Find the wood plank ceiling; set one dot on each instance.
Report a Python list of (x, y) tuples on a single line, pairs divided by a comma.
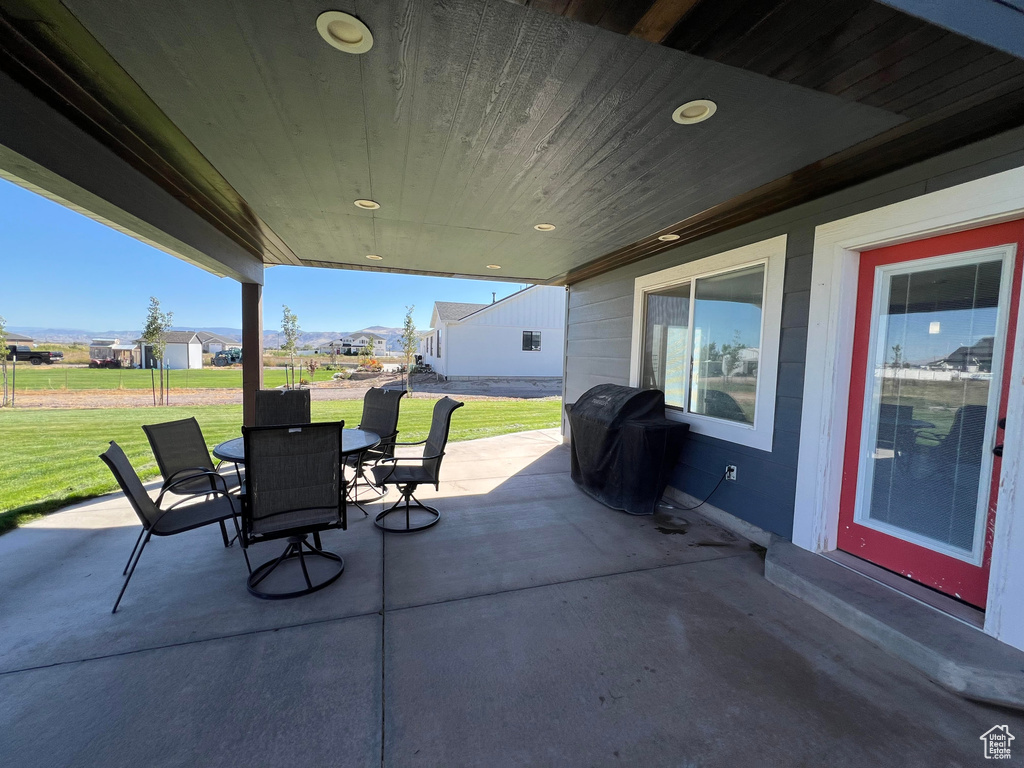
[(472, 121), (951, 90)]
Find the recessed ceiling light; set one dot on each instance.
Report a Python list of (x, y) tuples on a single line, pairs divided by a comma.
[(375, 257), (668, 238), (694, 112), (544, 227), (367, 205), (344, 32), (494, 266)]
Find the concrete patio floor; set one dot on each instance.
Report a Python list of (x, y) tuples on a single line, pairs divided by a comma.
[(531, 626)]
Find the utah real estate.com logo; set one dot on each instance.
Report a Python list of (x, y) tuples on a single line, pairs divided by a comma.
[(997, 742)]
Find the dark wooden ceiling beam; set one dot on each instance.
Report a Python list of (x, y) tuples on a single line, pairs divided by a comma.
[(661, 18), (909, 143), (50, 53)]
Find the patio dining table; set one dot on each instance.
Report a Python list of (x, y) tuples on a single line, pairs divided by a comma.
[(352, 441)]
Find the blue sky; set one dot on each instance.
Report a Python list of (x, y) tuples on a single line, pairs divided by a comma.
[(63, 270)]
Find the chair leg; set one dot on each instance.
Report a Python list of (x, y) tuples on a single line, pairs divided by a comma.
[(224, 535), (409, 501), (238, 537), (141, 534), (131, 572), (316, 540)]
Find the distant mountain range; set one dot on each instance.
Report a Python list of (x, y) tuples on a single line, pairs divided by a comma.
[(271, 339)]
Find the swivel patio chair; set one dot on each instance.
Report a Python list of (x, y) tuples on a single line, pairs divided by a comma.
[(380, 416), (406, 473), (181, 454), (277, 407), (294, 487), (218, 507)]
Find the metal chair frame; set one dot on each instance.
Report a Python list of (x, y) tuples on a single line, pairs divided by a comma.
[(384, 449), (152, 434), (297, 546), (149, 526), (407, 490)]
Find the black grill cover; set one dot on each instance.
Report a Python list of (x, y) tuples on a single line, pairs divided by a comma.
[(623, 447)]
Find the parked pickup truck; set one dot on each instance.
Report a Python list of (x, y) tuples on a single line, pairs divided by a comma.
[(34, 356)]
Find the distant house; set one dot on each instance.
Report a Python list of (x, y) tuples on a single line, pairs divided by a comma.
[(113, 349), (183, 350), (213, 343), (353, 344), (522, 335)]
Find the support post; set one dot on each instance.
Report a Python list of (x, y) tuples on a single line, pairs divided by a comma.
[(252, 349)]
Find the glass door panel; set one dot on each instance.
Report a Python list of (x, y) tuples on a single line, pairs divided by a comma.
[(931, 404)]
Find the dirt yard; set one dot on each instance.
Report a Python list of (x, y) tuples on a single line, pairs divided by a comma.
[(423, 386)]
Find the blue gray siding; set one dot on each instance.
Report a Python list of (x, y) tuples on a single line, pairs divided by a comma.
[(601, 315)]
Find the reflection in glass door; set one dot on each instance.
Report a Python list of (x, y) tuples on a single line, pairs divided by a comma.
[(919, 485)]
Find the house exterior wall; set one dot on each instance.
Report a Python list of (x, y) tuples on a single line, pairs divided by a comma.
[(182, 356), (488, 350), (600, 317), (428, 348)]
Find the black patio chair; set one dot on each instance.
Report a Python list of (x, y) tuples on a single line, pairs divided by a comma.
[(276, 407), (181, 453), (294, 486), (380, 416), (218, 507), (406, 473)]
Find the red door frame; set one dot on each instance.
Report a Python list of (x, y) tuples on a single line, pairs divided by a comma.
[(946, 574)]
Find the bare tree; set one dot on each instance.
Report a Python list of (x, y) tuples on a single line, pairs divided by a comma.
[(158, 323), (408, 342), (290, 334)]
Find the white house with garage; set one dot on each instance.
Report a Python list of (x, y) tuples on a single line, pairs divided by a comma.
[(522, 335), (355, 343), (183, 349)]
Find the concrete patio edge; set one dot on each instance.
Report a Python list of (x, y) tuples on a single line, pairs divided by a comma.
[(956, 656)]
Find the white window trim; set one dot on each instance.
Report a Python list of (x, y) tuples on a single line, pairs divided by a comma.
[(771, 253), (837, 247)]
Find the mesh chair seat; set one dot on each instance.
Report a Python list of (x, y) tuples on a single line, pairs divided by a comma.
[(193, 515), (156, 521), (401, 474), (294, 487), (408, 473), (300, 518), (202, 484), (380, 416), (180, 451)]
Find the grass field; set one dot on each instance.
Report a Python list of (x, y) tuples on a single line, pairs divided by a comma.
[(41, 377), (50, 457)]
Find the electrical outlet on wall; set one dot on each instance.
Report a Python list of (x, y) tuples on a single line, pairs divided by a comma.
[(730, 472)]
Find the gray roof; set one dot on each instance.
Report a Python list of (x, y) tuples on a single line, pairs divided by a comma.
[(216, 338), (11, 336), (453, 311), (176, 337)]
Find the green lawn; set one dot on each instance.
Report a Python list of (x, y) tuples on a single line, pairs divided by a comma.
[(49, 457), (38, 377)]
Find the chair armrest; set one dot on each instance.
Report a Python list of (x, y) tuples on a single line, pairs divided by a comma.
[(395, 460), (195, 472)]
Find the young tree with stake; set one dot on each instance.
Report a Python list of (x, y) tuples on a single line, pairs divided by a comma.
[(290, 334), (408, 342), (3, 361), (158, 323)]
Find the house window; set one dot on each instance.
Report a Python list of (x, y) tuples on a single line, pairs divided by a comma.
[(531, 341), (706, 333), (439, 344)]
